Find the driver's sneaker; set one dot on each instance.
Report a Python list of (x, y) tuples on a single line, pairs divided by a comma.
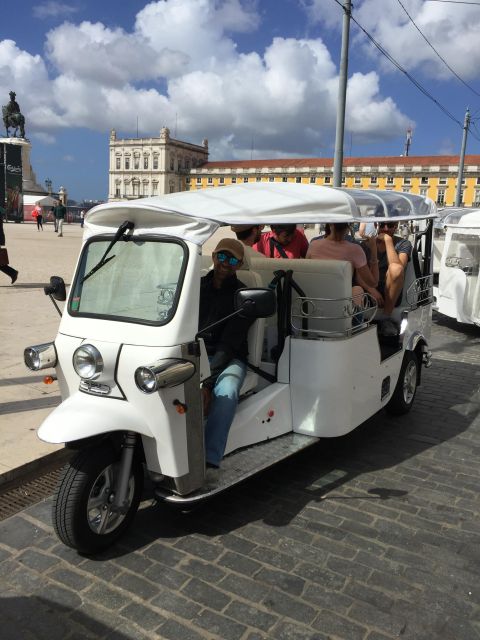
[(389, 328), (14, 277)]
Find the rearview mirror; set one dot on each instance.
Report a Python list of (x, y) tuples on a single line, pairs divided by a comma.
[(255, 303), (56, 288)]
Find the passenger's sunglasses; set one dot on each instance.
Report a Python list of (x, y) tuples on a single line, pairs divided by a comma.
[(390, 225), (231, 260)]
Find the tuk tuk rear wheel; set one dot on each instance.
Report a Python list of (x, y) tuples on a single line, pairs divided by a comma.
[(82, 515), (402, 399)]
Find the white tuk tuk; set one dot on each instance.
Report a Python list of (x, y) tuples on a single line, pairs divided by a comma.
[(130, 361), (457, 290)]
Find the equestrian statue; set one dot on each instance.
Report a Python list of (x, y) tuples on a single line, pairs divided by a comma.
[(12, 117)]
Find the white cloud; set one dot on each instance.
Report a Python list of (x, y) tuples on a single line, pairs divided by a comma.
[(53, 10), (451, 29), (180, 65)]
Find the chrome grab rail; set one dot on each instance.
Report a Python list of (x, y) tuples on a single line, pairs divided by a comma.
[(357, 316), (420, 292)]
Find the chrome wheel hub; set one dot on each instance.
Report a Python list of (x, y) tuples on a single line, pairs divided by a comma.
[(102, 519)]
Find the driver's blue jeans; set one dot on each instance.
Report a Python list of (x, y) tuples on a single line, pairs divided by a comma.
[(222, 409)]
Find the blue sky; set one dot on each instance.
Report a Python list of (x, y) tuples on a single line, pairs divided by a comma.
[(245, 74)]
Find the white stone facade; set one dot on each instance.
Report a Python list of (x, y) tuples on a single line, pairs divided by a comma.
[(143, 167)]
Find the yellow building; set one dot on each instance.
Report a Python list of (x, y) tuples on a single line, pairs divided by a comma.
[(432, 176)]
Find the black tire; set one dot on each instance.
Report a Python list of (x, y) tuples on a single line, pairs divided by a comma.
[(402, 399), (83, 495)]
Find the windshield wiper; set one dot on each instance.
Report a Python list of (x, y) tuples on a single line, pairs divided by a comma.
[(125, 226)]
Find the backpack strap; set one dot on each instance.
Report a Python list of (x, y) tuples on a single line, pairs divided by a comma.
[(274, 244)]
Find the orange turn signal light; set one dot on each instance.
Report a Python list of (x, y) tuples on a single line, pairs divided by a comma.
[(49, 379), (180, 407)]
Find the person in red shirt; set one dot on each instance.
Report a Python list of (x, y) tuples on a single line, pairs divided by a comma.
[(283, 241)]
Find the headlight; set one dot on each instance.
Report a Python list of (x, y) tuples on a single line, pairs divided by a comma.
[(163, 373), (88, 362), (40, 356)]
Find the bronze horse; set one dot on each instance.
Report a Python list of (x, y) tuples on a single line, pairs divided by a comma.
[(15, 121)]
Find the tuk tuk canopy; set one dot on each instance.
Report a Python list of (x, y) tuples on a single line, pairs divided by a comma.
[(196, 215), (459, 217)]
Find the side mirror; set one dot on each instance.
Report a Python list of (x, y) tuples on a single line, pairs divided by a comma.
[(255, 303), (56, 288)]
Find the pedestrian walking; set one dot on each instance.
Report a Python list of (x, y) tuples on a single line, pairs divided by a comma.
[(38, 214), (59, 212), (4, 266), (51, 215), (82, 217)]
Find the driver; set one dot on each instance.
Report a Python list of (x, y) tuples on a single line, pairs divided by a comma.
[(226, 345)]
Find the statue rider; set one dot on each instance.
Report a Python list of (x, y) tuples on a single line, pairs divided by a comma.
[(12, 106), (12, 116)]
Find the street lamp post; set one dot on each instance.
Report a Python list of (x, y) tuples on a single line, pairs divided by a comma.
[(48, 184)]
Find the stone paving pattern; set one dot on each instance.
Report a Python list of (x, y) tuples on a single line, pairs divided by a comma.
[(371, 536)]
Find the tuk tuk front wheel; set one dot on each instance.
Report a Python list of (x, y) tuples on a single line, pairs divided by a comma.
[(402, 399), (82, 513)]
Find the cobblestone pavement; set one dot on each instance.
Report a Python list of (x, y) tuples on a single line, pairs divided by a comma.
[(371, 536)]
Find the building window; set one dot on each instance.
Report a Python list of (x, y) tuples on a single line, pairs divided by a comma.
[(199, 180), (127, 164), (284, 179), (258, 179), (187, 163), (476, 201), (298, 180), (234, 179), (478, 181), (373, 179), (172, 163), (187, 180), (442, 181), (424, 180), (154, 189), (389, 179), (407, 180), (135, 188), (423, 191), (145, 162), (136, 162), (117, 192), (245, 178), (343, 179), (271, 179), (221, 180), (406, 189), (155, 162), (209, 180), (328, 179), (440, 196), (357, 180), (145, 188), (117, 163)]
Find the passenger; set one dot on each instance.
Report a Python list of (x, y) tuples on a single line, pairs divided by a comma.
[(249, 235), (226, 346), (333, 246), (393, 254), (283, 241)]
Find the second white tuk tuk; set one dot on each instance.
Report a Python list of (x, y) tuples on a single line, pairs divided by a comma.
[(457, 241), (130, 360)]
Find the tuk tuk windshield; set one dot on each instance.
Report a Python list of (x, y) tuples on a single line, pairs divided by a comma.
[(464, 252), (139, 282)]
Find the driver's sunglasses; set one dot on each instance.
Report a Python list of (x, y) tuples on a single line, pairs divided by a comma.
[(390, 225), (231, 260)]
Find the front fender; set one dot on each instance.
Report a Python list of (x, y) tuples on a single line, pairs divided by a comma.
[(83, 416)]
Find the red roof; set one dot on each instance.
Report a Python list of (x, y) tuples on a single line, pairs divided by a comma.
[(347, 162)]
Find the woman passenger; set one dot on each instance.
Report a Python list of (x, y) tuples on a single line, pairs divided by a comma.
[(334, 247)]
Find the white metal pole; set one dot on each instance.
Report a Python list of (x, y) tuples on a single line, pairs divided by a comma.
[(458, 198), (342, 96)]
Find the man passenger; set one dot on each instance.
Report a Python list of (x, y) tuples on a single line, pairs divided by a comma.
[(226, 346), (283, 241), (248, 235), (393, 253)]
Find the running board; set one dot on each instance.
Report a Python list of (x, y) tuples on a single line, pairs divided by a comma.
[(241, 465)]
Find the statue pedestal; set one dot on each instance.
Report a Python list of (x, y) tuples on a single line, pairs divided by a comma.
[(29, 180)]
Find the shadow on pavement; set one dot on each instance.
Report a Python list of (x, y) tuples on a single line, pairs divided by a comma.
[(41, 618)]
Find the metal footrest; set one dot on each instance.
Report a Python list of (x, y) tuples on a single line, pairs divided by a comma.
[(241, 465)]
